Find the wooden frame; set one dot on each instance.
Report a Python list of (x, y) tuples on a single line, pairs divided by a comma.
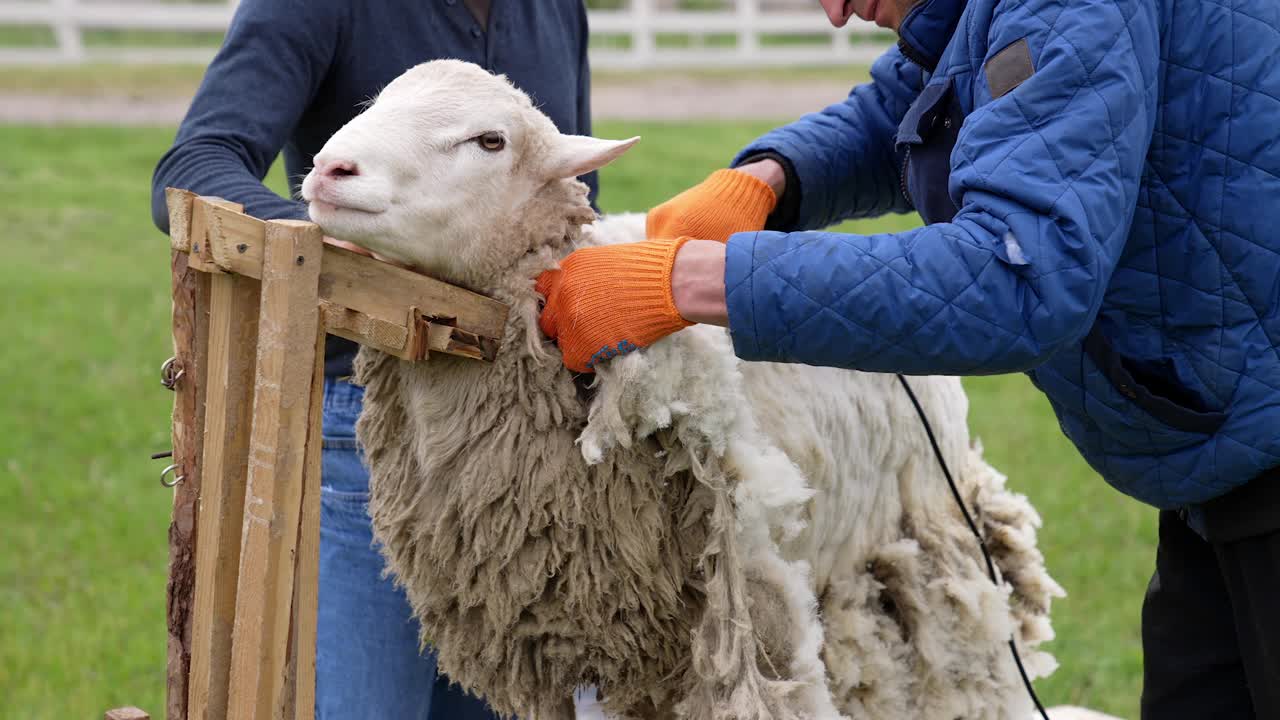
[(253, 301)]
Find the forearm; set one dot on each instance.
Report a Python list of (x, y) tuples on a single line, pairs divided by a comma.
[(934, 300), (212, 168), (768, 171), (697, 283), (275, 57)]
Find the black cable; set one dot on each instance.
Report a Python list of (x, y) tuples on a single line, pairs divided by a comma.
[(982, 545)]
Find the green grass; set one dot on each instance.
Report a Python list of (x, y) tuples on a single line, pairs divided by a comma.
[(181, 80), (99, 79), (118, 38), (26, 36), (86, 305)]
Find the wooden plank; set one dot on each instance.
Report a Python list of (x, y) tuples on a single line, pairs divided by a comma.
[(233, 335), (288, 323), (190, 338), (446, 338), (204, 224), (245, 256), (126, 713), (357, 282), (384, 291), (179, 203), (300, 702), (383, 335)]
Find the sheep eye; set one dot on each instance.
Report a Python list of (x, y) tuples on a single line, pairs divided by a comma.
[(492, 141)]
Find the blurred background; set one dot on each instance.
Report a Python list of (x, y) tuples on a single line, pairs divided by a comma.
[(91, 92)]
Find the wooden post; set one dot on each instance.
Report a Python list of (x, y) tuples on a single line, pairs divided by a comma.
[(66, 30), (748, 17), (288, 321), (126, 713), (307, 602), (300, 674), (233, 336), (642, 36), (190, 337)]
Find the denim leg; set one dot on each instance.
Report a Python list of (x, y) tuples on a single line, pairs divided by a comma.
[(367, 659), (587, 705)]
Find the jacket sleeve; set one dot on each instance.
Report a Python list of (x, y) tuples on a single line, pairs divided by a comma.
[(841, 161), (273, 61), (1048, 178)]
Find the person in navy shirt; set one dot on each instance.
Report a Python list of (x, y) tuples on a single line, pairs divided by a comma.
[(289, 74)]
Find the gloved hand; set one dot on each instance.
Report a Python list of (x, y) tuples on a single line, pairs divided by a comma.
[(610, 300), (727, 202)]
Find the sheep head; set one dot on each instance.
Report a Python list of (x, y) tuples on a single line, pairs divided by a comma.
[(436, 171)]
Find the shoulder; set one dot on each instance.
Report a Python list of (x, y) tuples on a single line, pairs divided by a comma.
[(1086, 25), (286, 17)]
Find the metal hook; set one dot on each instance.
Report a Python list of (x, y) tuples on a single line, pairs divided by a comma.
[(176, 480), (168, 376)]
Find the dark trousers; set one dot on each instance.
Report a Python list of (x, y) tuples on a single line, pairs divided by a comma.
[(1211, 619)]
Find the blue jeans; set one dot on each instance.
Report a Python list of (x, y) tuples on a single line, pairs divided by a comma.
[(367, 661)]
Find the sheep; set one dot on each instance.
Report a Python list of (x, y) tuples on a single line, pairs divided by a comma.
[(696, 536)]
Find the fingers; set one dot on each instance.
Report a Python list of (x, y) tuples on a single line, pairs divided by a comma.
[(655, 221), (546, 287), (546, 283)]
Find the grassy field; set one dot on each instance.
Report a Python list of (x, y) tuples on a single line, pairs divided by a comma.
[(161, 81), (85, 287)]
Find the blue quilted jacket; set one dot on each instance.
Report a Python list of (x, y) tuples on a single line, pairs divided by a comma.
[(1101, 183)]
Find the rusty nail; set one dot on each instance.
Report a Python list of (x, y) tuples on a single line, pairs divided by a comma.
[(242, 248), (301, 260)]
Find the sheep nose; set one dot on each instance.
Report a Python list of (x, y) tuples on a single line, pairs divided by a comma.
[(337, 169)]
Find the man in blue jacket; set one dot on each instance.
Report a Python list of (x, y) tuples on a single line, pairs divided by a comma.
[(1101, 185), (289, 74)]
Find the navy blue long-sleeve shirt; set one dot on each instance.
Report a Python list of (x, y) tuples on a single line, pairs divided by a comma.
[(291, 72)]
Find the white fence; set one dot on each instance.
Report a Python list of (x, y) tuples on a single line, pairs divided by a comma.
[(646, 34)]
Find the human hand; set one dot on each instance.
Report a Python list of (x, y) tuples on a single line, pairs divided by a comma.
[(610, 300), (727, 202)]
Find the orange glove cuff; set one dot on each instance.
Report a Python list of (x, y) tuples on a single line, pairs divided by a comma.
[(727, 202), (607, 301)]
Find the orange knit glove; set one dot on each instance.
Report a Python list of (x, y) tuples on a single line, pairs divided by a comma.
[(727, 202), (607, 301)]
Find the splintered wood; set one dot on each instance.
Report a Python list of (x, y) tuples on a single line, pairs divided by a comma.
[(253, 301), (190, 338)]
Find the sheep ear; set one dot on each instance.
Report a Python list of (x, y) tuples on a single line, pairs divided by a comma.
[(575, 155)]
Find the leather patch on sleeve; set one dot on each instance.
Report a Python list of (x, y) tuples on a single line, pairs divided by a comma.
[(1008, 68)]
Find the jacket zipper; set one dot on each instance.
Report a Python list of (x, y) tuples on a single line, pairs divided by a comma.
[(902, 177), (910, 53)]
